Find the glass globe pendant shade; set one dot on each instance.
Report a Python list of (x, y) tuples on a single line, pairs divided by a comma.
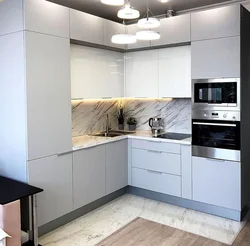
[(112, 2), (128, 13), (149, 23), (123, 39), (147, 35)]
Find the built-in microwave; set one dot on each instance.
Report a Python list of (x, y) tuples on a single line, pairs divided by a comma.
[(216, 94)]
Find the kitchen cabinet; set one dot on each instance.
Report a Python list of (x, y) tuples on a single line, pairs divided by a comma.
[(216, 58), (86, 27), (217, 182), (142, 74), (96, 73), (54, 175), (88, 175), (173, 30), (48, 95), (216, 23), (46, 17), (175, 72), (116, 166), (132, 29), (111, 28)]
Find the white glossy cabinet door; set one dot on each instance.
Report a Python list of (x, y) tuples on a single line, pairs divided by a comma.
[(116, 166), (111, 28), (46, 17), (48, 95), (132, 29), (217, 182), (216, 23), (54, 175), (216, 58), (88, 175), (173, 30), (96, 73), (142, 74), (86, 27), (175, 72)]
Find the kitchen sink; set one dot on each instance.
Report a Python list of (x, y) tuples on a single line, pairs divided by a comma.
[(111, 134)]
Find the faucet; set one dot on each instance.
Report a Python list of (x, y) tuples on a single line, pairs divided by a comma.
[(107, 125)]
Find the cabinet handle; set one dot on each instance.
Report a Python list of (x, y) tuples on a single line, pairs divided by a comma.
[(157, 172), (217, 160), (152, 141), (155, 151)]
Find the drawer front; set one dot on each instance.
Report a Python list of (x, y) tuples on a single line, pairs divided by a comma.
[(156, 161), (157, 145), (156, 181)]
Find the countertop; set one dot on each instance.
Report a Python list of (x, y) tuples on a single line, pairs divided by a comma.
[(87, 141)]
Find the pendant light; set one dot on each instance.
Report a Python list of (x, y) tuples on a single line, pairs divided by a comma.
[(127, 12), (112, 2), (147, 35), (149, 22)]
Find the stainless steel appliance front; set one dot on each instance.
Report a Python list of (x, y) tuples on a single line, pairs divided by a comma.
[(216, 94)]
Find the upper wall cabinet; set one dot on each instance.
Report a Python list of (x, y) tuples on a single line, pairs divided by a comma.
[(142, 73), (111, 28), (175, 72), (132, 29), (86, 27), (173, 30), (216, 23), (216, 58), (46, 17)]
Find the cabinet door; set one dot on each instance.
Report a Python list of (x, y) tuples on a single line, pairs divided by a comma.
[(46, 17), (48, 95), (132, 29), (175, 72), (216, 58), (216, 23), (86, 27), (173, 30), (54, 175), (88, 175), (104, 68), (142, 74), (111, 28), (216, 182), (116, 166)]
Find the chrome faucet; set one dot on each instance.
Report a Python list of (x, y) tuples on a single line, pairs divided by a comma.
[(107, 125)]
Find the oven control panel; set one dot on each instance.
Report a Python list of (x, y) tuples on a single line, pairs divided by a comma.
[(216, 115)]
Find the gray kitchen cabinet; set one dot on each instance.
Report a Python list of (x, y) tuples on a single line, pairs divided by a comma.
[(132, 29), (216, 58), (173, 30), (217, 182), (46, 17), (88, 175), (48, 95), (86, 27), (111, 28), (116, 166), (54, 175), (216, 23)]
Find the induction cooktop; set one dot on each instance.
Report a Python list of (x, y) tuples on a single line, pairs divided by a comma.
[(174, 136)]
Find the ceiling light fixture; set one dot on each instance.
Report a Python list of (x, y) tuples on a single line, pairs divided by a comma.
[(147, 35), (148, 22), (112, 2), (123, 39), (127, 12)]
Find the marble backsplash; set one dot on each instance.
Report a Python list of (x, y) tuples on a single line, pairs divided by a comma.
[(89, 116)]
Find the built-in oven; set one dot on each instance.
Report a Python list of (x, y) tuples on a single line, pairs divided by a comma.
[(216, 134), (216, 94)]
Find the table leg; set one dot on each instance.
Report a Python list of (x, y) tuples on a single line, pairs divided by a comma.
[(34, 218)]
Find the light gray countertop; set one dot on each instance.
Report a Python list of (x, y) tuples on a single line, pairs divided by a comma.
[(87, 141)]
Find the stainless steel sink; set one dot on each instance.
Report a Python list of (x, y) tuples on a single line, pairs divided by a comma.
[(111, 134)]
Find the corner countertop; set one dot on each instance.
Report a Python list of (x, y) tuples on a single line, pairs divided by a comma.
[(87, 141)]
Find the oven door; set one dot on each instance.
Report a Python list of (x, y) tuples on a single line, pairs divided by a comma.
[(216, 139)]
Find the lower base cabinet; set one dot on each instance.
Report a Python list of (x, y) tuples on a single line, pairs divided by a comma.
[(88, 175), (216, 182), (54, 175)]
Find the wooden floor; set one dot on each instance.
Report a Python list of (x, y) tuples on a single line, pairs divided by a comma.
[(141, 232)]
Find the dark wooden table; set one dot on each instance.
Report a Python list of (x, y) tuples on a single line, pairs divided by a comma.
[(11, 190)]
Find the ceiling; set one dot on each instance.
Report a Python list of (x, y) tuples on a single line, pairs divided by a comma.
[(95, 7)]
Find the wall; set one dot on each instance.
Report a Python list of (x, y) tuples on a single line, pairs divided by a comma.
[(90, 115)]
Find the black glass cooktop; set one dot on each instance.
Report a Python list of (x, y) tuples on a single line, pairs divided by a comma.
[(174, 136)]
